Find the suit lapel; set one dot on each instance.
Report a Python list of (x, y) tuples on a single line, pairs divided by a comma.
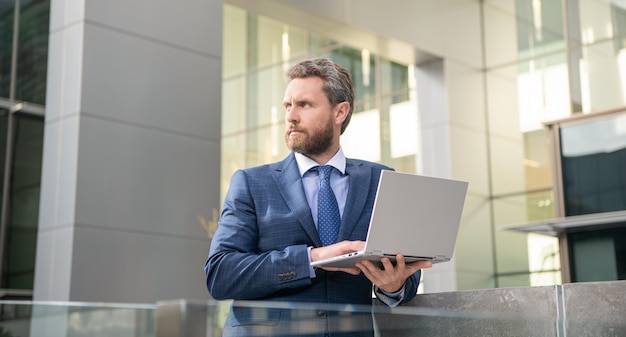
[(289, 182), (358, 190)]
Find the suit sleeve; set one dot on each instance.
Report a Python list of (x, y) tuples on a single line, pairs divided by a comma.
[(410, 286), (237, 268)]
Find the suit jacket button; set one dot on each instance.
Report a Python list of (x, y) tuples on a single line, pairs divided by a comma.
[(321, 314)]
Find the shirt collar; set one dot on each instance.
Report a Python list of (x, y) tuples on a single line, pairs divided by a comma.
[(305, 163)]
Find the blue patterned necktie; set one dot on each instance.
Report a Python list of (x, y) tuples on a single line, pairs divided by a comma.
[(328, 218)]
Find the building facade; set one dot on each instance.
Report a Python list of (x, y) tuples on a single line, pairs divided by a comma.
[(124, 121)]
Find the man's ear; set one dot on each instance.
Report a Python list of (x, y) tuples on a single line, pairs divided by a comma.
[(341, 112)]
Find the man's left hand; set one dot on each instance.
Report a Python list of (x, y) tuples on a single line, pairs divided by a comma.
[(391, 278)]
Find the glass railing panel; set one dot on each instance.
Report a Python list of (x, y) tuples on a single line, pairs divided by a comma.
[(25, 318), (577, 309), (307, 319)]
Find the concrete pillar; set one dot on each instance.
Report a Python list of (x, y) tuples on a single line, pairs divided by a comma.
[(131, 149)]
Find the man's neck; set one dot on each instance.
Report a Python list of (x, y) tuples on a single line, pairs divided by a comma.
[(323, 158)]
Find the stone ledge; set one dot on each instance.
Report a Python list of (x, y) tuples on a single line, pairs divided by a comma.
[(577, 309)]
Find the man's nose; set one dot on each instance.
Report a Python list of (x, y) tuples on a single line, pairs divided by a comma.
[(292, 115)]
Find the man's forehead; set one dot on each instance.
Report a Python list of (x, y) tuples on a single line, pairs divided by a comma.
[(300, 89), (298, 97)]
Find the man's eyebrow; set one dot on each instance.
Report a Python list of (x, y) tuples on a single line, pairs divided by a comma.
[(297, 101)]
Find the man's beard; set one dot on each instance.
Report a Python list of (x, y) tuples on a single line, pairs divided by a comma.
[(311, 143)]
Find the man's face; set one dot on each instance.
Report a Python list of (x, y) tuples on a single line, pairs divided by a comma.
[(309, 117)]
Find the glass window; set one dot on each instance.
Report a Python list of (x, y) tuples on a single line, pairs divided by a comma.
[(4, 113), (539, 26), (588, 248), (7, 10), (361, 65), (253, 116), (264, 96), (33, 51), (272, 42), (319, 43), (21, 239), (234, 44), (597, 56), (593, 160)]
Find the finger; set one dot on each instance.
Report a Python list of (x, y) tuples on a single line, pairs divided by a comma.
[(371, 271), (366, 265), (353, 271), (417, 265), (400, 261), (387, 265), (424, 264)]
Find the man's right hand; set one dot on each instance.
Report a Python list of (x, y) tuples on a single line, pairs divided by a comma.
[(339, 248)]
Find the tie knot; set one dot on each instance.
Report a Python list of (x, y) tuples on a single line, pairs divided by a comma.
[(325, 171)]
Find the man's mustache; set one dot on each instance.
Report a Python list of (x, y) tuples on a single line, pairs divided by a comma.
[(293, 127)]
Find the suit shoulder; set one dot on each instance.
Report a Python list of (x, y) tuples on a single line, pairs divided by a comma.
[(256, 169), (265, 169), (365, 163)]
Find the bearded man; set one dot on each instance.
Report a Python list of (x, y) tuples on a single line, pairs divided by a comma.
[(270, 229)]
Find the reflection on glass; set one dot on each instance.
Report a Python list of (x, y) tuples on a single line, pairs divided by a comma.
[(234, 46), (621, 64), (19, 264), (233, 101), (538, 161), (597, 76), (593, 159), (271, 41), (4, 113), (539, 26), (33, 51), (318, 43), (362, 138), (587, 248), (541, 263), (544, 261), (352, 59), (7, 9), (23, 318), (264, 94), (543, 93), (403, 129)]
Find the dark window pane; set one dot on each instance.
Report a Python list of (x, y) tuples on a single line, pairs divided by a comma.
[(598, 255), (33, 51), (593, 157), (21, 240), (6, 45), (4, 113)]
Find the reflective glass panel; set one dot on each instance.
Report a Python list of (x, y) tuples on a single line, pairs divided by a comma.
[(7, 14), (4, 113), (593, 160), (588, 247), (33, 51), (23, 318), (24, 202)]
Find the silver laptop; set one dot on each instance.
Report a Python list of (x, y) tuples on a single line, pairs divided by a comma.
[(416, 216)]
